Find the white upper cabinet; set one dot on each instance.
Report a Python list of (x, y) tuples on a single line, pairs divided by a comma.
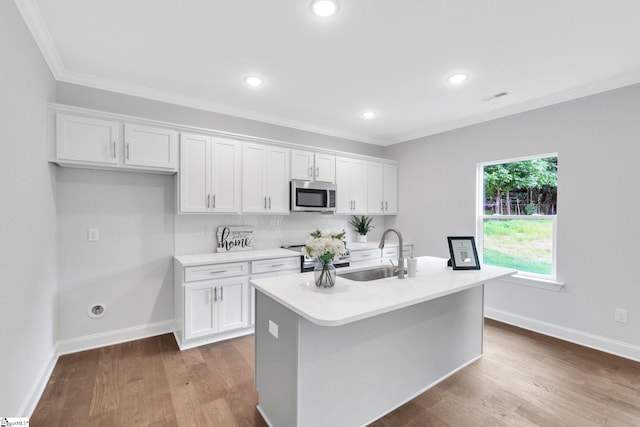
[(209, 174), (375, 183), (265, 179), (382, 188), (310, 166), (94, 142), (351, 180), (87, 140), (390, 188), (150, 146)]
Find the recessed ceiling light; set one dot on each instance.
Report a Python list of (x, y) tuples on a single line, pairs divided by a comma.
[(324, 8), (368, 115), (456, 79), (254, 81)]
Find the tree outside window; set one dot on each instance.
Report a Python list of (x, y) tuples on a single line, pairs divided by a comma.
[(517, 218)]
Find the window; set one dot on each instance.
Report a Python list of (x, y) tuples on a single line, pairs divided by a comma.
[(517, 214)]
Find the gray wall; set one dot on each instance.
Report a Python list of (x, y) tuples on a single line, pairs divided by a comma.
[(27, 218), (596, 139), (130, 269)]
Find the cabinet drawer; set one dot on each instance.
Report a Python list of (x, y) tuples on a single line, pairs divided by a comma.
[(365, 255), (408, 251), (275, 264), (390, 252), (215, 271)]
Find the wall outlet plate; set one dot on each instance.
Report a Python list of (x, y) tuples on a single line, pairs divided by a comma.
[(273, 328), (620, 315)]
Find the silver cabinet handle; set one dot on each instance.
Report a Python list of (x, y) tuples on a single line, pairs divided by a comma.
[(366, 255), (128, 149), (265, 202), (215, 294), (214, 201), (217, 271), (208, 200), (221, 293), (114, 149), (277, 265), (269, 202), (382, 205), (310, 171), (386, 206)]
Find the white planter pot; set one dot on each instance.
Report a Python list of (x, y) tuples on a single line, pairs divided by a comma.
[(362, 238)]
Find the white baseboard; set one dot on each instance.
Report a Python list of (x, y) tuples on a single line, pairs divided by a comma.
[(89, 342), (618, 348), (33, 397)]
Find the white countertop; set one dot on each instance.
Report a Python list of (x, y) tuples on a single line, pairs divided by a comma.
[(349, 301), (221, 257)]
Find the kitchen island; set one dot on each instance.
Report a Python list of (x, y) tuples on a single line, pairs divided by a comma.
[(347, 355)]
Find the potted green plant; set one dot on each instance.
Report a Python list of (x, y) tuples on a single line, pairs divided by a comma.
[(362, 225)]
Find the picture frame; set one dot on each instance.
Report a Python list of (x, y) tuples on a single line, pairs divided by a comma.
[(464, 255)]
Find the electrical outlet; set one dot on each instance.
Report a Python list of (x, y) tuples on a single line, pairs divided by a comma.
[(93, 235), (273, 328), (620, 315)]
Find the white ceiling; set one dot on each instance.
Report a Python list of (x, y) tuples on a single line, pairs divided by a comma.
[(391, 56)]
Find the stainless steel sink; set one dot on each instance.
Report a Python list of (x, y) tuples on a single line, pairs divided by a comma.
[(370, 274)]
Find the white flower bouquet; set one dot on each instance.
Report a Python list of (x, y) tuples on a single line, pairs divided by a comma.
[(324, 245)]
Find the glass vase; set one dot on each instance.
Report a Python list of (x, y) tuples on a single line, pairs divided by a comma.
[(325, 273)]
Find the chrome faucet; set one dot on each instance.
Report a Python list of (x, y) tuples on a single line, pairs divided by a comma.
[(400, 252)]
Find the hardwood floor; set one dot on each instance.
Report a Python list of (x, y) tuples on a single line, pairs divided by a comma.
[(523, 379)]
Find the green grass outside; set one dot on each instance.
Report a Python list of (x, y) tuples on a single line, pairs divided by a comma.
[(524, 245)]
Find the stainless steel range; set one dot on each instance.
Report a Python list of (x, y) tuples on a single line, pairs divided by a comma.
[(307, 263)]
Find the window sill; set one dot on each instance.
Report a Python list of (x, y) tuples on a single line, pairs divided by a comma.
[(534, 282)]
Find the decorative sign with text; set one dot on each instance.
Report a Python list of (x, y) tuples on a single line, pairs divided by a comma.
[(232, 239)]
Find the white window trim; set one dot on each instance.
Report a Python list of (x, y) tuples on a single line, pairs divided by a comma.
[(521, 278), (534, 282)]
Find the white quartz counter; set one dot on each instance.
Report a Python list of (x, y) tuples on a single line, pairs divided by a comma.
[(349, 301), (222, 257)]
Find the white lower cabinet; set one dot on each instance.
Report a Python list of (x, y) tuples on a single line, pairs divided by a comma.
[(215, 306), (215, 302), (211, 302)]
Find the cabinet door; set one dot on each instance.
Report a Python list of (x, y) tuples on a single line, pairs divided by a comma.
[(195, 173), (226, 164), (201, 318), (325, 168), (358, 186), (375, 188), (277, 169), (344, 203), (254, 198), (302, 165), (390, 189), (150, 147), (232, 303), (85, 139)]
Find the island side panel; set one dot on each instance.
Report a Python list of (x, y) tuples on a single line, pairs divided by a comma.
[(276, 362), (353, 374)]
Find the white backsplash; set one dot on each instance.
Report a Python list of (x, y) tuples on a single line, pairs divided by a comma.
[(195, 234)]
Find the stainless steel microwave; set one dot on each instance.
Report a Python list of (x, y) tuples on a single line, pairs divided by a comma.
[(307, 196)]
